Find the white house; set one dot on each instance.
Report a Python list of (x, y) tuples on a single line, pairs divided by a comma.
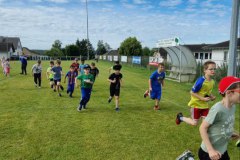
[(6, 50), (16, 43), (220, 52)]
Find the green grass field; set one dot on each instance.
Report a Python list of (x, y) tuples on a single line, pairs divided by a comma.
[(37, 124)]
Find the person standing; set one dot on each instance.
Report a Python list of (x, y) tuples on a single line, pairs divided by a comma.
[(23, 60)]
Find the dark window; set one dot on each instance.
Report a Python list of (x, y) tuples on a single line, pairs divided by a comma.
[(225, 55), (206, 56), (196, 55), (210, 55), (201, 55)]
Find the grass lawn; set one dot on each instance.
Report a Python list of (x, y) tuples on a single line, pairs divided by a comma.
[(37, 124)]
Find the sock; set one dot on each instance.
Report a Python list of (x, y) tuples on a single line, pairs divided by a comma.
[(181, 118)]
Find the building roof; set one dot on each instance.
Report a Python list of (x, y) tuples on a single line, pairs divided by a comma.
[(112, 52), (222, 45), (6, 47), (13, 40), (197, 47)]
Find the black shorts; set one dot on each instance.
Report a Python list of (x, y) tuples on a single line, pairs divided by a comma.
[(56, 80), (205, 156), (51, 79), (114, 91)]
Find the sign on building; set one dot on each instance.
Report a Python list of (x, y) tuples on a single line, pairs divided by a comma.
[(168, 42), (123, 58), (136, 60)]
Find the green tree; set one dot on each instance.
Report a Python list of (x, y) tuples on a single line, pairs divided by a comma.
[(130, 47), (83, 50), (57, 44), (72, 50), (54, 52), (146, 51), (101, 48), (107, 46)]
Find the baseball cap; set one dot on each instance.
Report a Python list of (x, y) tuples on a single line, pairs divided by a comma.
[(226, 82), (86, 66)]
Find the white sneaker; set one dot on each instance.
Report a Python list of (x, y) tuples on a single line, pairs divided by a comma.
[(187, 155)]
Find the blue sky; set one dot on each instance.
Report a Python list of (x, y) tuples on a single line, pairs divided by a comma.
[(40, 22)]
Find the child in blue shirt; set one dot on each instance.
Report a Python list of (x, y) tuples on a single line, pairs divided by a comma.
[(156, 81)]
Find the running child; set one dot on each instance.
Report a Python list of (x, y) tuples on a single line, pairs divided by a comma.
[(156, 82), (217, 128), (2, 64), (7, 67), (115, 63), (201, 94), (71, 74), (36, 73), (75, 64), (94, 70), (87, 81), (115, 80), (50, 75), (81, 66), (57, 73)]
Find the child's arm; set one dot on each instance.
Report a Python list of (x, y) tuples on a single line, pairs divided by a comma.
[(212, 97), (65, 79), (205, 99), (150, 84), (76, 82), (162, 83), (112, 81), (213, 154)]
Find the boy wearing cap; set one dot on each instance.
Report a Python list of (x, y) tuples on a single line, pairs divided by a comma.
[(217, 128), (156, 82), (75, 64), (115, 80), (71, 74), (86, 86), (201, 94)]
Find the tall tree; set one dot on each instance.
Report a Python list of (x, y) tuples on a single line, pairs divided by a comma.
[(130, 47), (101, 48), (146, 51), (72, 50), (57, 44), (83, 50), (107, 46)]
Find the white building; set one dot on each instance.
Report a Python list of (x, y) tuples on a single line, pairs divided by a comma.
[(16, 43), (6, 50)]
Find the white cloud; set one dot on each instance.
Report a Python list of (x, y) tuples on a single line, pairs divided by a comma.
[(38, 26), (139, 2), (170, 3), (58, 1), (193, 1)]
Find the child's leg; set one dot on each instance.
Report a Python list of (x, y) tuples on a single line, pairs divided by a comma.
[(39, 80), (195, 113), (35, 79), (58, 86), (117, 101)]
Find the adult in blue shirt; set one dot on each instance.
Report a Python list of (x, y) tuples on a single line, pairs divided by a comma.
[(23, 60)]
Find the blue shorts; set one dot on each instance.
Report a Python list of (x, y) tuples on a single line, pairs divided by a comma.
[(156, 94)]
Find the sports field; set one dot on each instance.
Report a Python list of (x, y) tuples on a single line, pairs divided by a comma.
[(37, 124)]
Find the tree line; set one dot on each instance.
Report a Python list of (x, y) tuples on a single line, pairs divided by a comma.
[(129, 47)]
